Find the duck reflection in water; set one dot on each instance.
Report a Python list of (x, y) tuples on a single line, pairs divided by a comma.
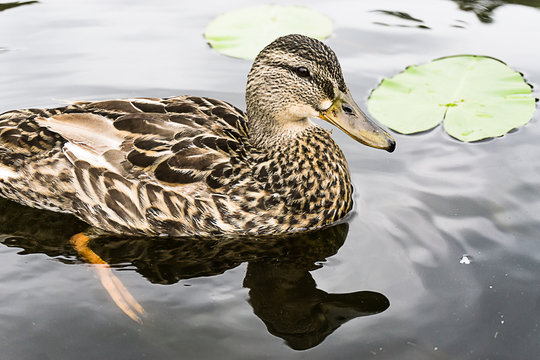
[(282, 291)]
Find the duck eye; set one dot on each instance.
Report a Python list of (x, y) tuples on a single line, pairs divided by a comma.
[(302, 71)]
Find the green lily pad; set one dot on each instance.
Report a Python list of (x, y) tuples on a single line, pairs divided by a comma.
[(478, 97), (243, 33)]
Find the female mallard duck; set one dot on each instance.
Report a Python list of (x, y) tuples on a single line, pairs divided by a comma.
[(197, 166)]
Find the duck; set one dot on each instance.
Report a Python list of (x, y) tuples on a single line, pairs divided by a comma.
[(197, 166)]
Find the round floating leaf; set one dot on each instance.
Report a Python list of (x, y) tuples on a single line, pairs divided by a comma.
[(478, 97), (243, 33)]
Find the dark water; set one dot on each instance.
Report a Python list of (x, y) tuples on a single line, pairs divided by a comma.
[(322, 295)]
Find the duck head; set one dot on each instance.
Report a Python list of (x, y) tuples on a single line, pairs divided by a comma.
[(296, 78)]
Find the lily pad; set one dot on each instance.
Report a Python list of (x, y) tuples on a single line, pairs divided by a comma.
[(243, 33), (478, 97)]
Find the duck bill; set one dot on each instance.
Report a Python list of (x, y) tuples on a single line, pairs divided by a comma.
[(346, 115)]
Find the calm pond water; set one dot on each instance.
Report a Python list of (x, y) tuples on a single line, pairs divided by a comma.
[(391, 282)]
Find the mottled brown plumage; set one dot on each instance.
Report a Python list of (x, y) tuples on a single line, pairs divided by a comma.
[(195, 166)]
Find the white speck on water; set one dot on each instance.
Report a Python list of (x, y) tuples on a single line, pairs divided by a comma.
[(495, 335), (435, 348), (465, 259), (502, 321), (491, 286)]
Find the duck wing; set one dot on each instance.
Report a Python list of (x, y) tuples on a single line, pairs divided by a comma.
[(122, 155), (175, 141)]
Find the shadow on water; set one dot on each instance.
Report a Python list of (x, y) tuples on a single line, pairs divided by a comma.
[(483, 9), (282, 291), (11, 5), (417, 23)]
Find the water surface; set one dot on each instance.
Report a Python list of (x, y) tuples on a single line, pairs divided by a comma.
[(419, 210)]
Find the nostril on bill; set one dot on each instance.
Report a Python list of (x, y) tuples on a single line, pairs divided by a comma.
[(347, 109)]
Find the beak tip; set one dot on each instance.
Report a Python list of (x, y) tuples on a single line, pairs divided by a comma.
[(391, 145)]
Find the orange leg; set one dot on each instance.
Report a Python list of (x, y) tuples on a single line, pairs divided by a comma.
[(117, 291)]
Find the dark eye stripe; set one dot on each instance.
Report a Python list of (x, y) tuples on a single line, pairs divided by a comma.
[(292, 69), (325, 85)]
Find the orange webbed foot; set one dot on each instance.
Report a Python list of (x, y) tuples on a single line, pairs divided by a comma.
[(117, 291)]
